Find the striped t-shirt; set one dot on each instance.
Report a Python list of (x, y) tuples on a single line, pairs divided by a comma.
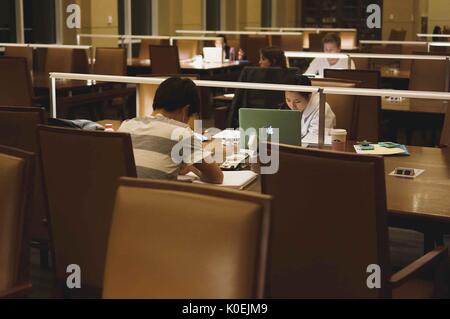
[(161, 146)]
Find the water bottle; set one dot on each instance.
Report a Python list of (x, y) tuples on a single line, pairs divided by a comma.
[(109, 128), (232, 55)]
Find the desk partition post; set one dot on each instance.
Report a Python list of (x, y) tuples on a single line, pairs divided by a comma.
[(138, 107), (447, 75), (349, 62), (322, 103), (53, 96), (78, 39)]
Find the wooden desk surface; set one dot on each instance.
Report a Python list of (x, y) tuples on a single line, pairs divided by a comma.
[(416, 106)]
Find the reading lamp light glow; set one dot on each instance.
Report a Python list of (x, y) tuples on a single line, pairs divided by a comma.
[(257, 86)]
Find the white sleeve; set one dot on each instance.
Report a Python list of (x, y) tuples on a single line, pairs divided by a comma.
[(330, 122), (314, 67)]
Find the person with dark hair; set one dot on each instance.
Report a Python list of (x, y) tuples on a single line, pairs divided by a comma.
[(331, 44), (164, 146), (224, 44), (272, 57), (308, 103)]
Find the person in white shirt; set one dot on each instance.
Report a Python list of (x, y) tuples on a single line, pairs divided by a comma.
[(308, 103), (331, 44)]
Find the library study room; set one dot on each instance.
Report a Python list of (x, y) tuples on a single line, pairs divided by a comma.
[(218, 157)]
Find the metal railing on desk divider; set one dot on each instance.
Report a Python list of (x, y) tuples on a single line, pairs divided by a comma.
[(322, 91)]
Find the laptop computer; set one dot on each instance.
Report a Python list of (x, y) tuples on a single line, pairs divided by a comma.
[(213, 55), (288, 122)]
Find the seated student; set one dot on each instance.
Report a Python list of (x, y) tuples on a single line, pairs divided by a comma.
[(155, 138), (272, 57), (308, 103), (331, 44)]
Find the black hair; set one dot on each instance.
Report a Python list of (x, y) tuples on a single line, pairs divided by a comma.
[(276, 56), (303, 81), (175, 93), (225, 42), (332, 38)]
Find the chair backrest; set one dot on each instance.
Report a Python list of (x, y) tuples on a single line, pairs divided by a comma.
[(58, 60), (445, 135), (144, 51), (21, 52), (80, 61), (110, 61), (16, 189), (261, 99), (165, 59), (369, 107), (288, 42), (397, 35), (345, 107), (315, 41), (428, 76), (328, 224), (362, 63), (81, 169), (252, 45), (208, 243), (18, 129), (405, 64), (187, 49), (15, 81)]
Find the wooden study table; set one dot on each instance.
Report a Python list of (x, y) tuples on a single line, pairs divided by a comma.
[(415, 106), (137, 66)]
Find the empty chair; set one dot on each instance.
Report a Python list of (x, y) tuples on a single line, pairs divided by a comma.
[(362, 63), (81, 169), (165, 59), (315, 41), (21, 52), (110, 61), (16, 189), (328, 227), (345, 107), (208, 243), (15, 82), (187, 49), (252, 45), (369, 110), (144, 51), (18, 129), (428, 75), (288, 42), (445, 135), (58, 60), (80, 61)]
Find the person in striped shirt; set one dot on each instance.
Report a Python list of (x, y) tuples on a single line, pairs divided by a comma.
[(163, 144)]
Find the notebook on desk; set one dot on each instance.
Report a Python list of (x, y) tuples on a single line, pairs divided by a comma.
[(232, 179)]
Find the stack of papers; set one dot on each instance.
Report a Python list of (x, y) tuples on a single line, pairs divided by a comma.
[(384, 151), (233, 179)]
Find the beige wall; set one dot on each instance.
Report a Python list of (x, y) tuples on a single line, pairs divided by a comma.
[(439, 13)]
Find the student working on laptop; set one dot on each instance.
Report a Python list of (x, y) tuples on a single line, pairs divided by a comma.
[(331, 44), (308, 103), (155, 137)]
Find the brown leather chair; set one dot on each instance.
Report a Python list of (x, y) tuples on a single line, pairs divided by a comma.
[(316, 41), (329, 224), (16, 190), (81, 169), (252, 45), (369, 109), (165, 59), (80, 61), (445, 135), (345, 107), (15, 82), (110, 61), (428, 75), (21, 52), (18, 129), (208, 243), (287, 42), (144, 52), (58, 60)]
